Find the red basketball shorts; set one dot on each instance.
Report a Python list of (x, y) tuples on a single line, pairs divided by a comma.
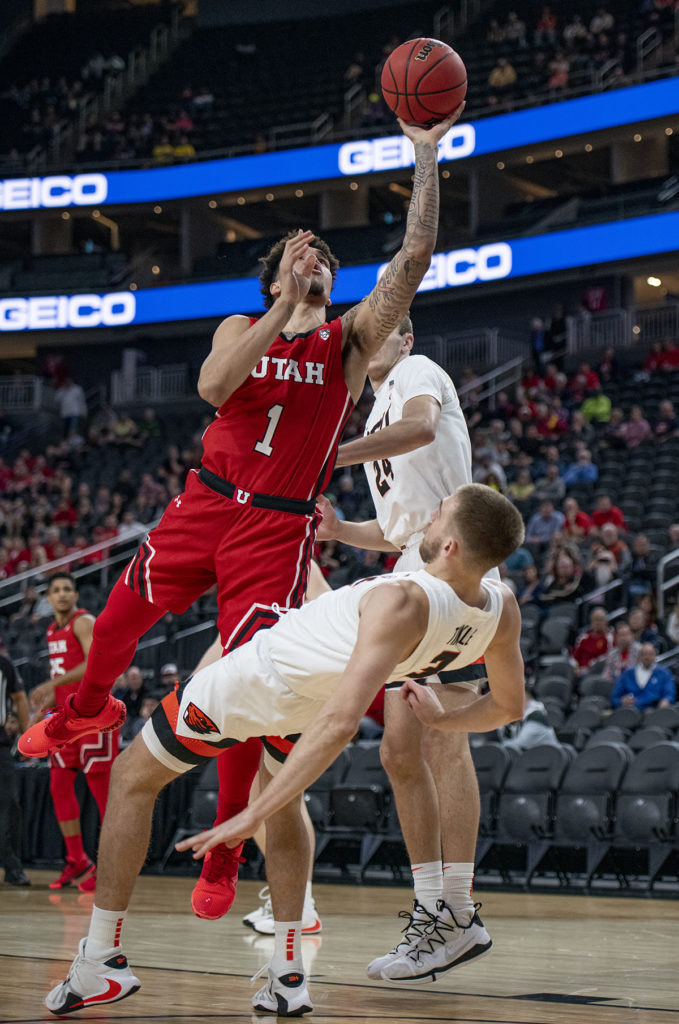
[(90, 754), (258, 558)]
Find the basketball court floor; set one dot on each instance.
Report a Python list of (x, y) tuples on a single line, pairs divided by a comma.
[(556, 959)]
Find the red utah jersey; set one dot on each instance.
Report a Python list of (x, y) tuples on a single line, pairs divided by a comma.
[(65, 653), (278, 432)]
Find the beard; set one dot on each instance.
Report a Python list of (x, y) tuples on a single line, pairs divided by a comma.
[(317, 286), (429, 549)]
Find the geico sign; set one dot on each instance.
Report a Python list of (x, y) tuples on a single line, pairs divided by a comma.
[(465, 266), (397, 151), (47, 193), (48, 312)]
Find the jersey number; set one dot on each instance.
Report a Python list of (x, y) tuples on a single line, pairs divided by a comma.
[(382, 467), (383, 474), (439, 664), (264, 447)]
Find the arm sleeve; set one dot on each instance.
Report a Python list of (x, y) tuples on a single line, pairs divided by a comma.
[(619, 690)]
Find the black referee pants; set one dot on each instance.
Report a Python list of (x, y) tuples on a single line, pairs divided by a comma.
[(10, 813)]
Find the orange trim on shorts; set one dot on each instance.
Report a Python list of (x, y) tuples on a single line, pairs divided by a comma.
[(170, 705)]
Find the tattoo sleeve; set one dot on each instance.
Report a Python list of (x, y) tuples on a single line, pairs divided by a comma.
[(390, 299)]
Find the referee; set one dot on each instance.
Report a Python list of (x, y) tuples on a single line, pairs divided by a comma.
[(11, 691)]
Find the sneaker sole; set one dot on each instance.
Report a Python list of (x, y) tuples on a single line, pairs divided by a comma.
[(281, 1008), (88, 1006), (475, 953), (313, 929), (64, 885)]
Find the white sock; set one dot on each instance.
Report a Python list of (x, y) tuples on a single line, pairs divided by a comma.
[(428, 879), (458, 880), (104, 933), (307, 893), (288, 946)]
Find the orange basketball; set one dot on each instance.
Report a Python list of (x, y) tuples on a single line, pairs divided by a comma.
[(423, 81)]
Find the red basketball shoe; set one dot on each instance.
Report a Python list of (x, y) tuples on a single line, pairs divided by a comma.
[(72, 870), (65, 725), (214, 892)]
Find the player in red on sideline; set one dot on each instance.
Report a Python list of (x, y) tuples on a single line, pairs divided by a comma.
[(283, 386), (69, 638)]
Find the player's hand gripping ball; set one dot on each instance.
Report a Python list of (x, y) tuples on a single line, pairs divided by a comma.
[(423, 81)]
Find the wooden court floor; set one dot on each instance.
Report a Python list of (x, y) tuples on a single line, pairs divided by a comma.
[(556, 959)]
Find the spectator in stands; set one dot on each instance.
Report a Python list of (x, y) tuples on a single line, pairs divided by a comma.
[(602, 565), (355, 71), (169, 674), (488, 470), (641, 630), (579, 430), (545, 32), (559, 70), (596, 408), (148, 706), (667, 424), (602, 21), (184, 148), (501, 83), (163, 151), (617, 547), (575, 33), (515, 31), (533, 730), (640, 573), (521, 491), (673, 536), (70, 399), (647, 685), (636, 429), (582, 471), (593, 644), (550, 487), (584, 381), (133, 691), (606, 512), (564, 578), (669, 360), (531, 590), (577, 523), (672, 625), (203, 101), (543, 525), (613, 434), (150, 427), (495, 34), (624, 654)]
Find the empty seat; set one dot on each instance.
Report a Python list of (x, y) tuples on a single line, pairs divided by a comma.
[(626, 718), (584, 804), (525, 805), (647, 737), (647, 804), (556, 687), (492, 762)]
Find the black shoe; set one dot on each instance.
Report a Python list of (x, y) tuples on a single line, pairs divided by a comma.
[(16, 877)]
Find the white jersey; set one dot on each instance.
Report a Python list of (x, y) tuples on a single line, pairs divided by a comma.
[(407, 488), (275, 684), (310, 647)]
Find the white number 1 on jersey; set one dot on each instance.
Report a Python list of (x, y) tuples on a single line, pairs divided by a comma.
[(264, 447)]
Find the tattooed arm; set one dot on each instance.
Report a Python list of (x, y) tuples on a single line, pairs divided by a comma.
[(366, 326)]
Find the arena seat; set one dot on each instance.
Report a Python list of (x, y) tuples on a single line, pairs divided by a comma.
[(201, 814)]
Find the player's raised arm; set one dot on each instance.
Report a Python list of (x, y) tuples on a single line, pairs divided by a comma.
[(392, 624), (237, 346), (365, 327), (416, 428)]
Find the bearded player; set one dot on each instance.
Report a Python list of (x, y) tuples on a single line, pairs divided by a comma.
[(283, 385)]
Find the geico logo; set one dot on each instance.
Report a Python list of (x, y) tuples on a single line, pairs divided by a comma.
[(389, 154), (49, 312), (58, 190), (465, 266)]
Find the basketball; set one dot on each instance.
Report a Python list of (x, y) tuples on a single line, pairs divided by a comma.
[(423, 81)]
